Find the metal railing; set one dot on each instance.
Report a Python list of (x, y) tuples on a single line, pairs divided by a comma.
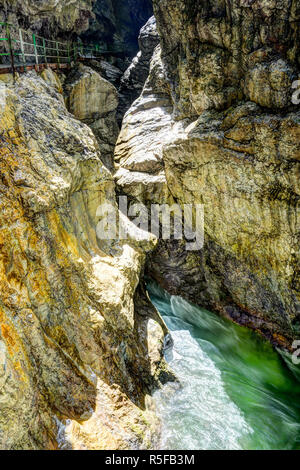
[(21, 48)]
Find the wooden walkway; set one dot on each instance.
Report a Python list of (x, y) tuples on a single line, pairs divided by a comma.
[(21, 51)]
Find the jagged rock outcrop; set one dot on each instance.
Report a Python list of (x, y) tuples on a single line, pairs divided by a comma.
[(135, 76), (226, 136), (146, 127), (77, 357), (94, 101)]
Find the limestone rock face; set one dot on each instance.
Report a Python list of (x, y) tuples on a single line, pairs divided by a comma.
[(77, 356), (216, 124), (94, 100), (52, 79), (247, 177), (218, 52), (134, 78), (138, 153)]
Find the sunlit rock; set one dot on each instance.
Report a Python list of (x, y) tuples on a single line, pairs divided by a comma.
[(77, 360)]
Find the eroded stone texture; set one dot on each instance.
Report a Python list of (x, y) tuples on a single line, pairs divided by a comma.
[(216, 123), (216, 52), (135, 76), (94, 100), (146, 127), (72, 344), (108, 71), (249, 267)]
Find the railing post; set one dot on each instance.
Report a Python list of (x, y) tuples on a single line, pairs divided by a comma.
[(45, 50), (10, 49), (35, 50), (22, 46), (57, 52), (68, 48)]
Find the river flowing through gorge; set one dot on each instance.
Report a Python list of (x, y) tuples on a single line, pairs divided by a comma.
[(233, 391), (156, 138)]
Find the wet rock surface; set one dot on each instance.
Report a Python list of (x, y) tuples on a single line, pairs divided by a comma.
[(80, 343), (217, 53)]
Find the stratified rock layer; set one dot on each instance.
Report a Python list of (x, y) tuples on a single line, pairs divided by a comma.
[(77, 358), (216, 125)]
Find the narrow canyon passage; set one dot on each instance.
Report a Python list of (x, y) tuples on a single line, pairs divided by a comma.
[(235, 391), (149, 144)]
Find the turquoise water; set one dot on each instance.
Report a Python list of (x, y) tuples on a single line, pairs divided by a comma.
[(234, 390)]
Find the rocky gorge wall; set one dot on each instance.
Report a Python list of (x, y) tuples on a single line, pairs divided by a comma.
[(80, 343), (215, 125), (110, 22)]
